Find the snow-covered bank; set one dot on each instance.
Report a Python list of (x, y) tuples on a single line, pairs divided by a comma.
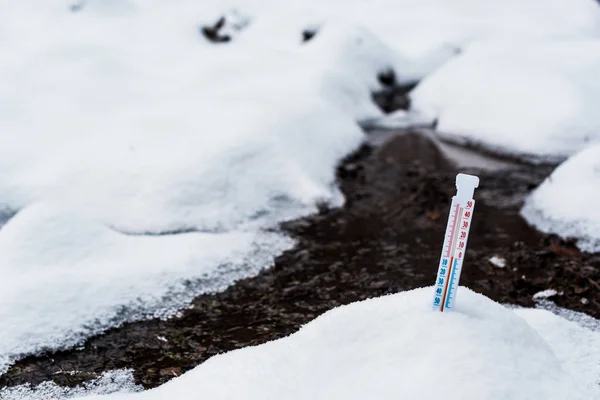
[(396, 347), (567, 203), (536, 100), (415, 28), (66, 277)]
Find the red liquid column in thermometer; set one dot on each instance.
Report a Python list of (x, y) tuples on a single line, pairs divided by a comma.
[(453, 254)]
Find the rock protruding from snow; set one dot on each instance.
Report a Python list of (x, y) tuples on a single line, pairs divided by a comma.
[(395, 347), (534, 100), (567, 203)]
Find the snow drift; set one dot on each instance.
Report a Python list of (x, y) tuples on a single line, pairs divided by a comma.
[(396, 347), (535, 100), (567, 202)]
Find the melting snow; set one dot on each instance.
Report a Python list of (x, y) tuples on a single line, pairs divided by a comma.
[(567, 202), (396, 347)]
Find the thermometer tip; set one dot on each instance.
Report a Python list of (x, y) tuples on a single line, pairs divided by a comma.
[(465, 185)]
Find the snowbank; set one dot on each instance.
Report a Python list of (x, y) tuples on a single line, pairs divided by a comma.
[(418, 27), (66, 277), (532, 99), (576, 347), (396, 347), (566, 203)]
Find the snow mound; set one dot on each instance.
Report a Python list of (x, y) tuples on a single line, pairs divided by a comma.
[(67, 277), (578, 317), (418, 27), (566, 203), (396, 347), (575, 341), (536, 100)]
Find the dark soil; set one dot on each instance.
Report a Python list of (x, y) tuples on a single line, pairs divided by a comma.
[(386, 239)]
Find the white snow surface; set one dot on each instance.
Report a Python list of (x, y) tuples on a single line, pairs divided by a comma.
[(533, 99), (544, 294), (580, 318), (67, 276), (567, 202), (119, 120), (428, 31), (497, 261), (396, 347)]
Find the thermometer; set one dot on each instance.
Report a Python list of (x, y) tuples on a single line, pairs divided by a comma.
[(455, 243)]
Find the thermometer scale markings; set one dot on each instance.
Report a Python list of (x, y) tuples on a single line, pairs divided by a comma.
[(451, 235), (455, 243), (451, 252), (451, 280)]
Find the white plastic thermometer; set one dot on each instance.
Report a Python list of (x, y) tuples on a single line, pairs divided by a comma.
[(455, 242)]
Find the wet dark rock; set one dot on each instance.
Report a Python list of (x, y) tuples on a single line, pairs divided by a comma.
[(394, 96), (213, 33), (308, 34), (387, 78)]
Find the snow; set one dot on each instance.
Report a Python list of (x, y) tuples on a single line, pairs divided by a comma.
[(566, 203), (575, 347), (532, 99), (398, 120), (141, 165), (395, 347), (427, 27), (544, 294), (579, 318), (498, 261), (109, 382), (66, 277)]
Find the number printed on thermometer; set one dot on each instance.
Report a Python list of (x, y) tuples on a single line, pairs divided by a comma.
[(455, 243)]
